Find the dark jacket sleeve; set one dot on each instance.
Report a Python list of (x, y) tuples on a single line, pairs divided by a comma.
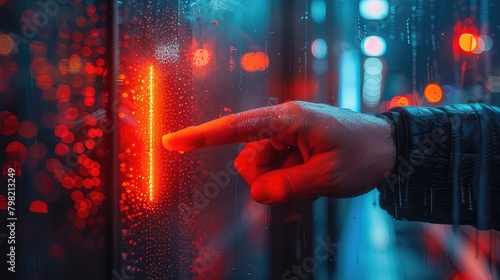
[(447, 165)]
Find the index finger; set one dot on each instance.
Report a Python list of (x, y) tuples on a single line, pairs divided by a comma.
[(247, 126)]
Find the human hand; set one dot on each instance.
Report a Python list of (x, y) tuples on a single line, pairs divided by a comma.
[(299, 149)]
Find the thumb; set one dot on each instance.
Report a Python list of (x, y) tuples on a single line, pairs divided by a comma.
[(310, 179)]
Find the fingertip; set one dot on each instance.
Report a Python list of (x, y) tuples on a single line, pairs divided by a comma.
[(165, 140), (182, 141)]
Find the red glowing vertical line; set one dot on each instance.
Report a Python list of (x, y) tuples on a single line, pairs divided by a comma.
[(151, 136)]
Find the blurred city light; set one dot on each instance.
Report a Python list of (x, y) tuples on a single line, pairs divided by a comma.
[(349, 88), (318, 11), (398, 101), (201, 57), (467, 42), (254, 61), (373, 9), (487, 41), (319, 48), (433, 93), (373, 46), (484, 44), (6, 44), (372, 82), (493, 84)]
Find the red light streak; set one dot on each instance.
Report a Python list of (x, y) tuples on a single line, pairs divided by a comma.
[(151, 136)]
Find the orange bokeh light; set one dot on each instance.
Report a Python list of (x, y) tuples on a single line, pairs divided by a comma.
[(433, 93), (254, 61), (6, 44), (467, 42), (201, 57), (398, 101)]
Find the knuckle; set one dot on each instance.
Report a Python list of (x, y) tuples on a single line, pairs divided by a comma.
[(230, 120), (297, 106)]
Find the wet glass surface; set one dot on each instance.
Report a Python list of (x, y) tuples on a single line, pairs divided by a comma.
[(180, 63)]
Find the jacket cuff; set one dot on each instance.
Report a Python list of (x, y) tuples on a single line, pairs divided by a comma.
[(417, 187), (447, 165)]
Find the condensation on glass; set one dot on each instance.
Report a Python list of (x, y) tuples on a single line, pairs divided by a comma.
[(180, 63)]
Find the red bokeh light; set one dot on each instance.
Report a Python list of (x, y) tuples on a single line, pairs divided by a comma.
[(76, 195), (8, 123), (16, 151), (53, 164), (87, 183), (63, 93), (68, 182), (61, 131), (69, 138), (89, 101), (39, 66), (464, 38), (77, 37), (80, 21), (61, 149), (44, 81), (91, 9), (38, 206), (27, 129), (90, 144), (72, 113), (78, 148), (82, 213)]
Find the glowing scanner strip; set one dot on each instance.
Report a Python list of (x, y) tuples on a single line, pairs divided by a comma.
[(151, 136)]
